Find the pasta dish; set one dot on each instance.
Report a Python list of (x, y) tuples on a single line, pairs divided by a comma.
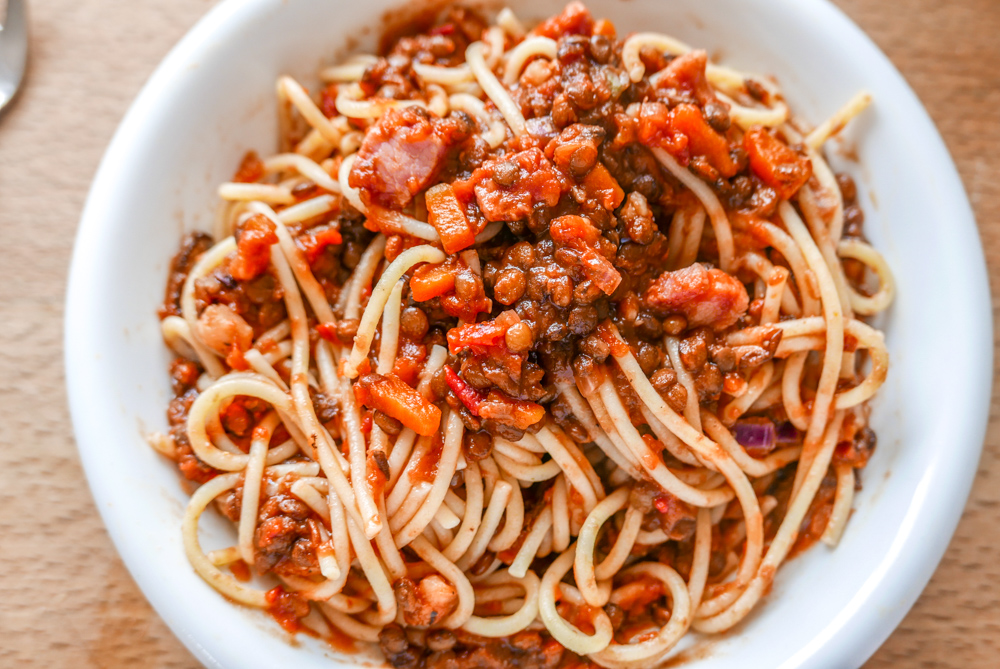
[(530, 347)]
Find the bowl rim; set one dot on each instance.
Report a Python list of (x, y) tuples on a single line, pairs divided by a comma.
[(914, 558)]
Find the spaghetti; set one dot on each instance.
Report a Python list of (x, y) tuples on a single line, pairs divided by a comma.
[(531, 348)]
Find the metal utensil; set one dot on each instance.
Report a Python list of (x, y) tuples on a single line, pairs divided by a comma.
[(13, 50)]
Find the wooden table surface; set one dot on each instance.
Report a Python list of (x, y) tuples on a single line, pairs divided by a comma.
[(66, 600)]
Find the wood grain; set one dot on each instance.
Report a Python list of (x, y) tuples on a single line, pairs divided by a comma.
[(66, 600)]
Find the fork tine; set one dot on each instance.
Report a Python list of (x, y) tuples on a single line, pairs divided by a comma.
[(13, 50), (13, 18)]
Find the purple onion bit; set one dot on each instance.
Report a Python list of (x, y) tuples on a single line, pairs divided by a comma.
[(756, 435), (788, 434)]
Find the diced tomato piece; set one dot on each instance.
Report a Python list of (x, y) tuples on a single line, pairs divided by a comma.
[(570, 229), (240, 571), (194, 469), (703, 140), (601, 185), (376, 475), (637, 598), (598, 268), (487, 333), (445, 213), (531, 177), (316, 241), (654, 444), (580, 235), (576, 148), (521, 414), (253, 248), (574, 20), (777, 165), (251, 168), (236, 360), (655, 128), (407, 370), (468, 395), (328, 101), (409, 360), (686, 74), (287, 608), (390, 395), (327, 331), (607, 334), (430, 281), (445, 29), (684, 133), (512, 362)]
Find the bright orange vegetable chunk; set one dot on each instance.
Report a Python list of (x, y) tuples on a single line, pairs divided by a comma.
[(703, 140), (430, 281), (390, 395), (445, 213), (777, 165), (600, 184)]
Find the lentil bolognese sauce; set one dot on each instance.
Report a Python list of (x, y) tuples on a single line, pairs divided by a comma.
[(530, 348)]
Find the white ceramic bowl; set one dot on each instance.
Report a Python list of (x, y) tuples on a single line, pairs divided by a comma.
[(212, 98)]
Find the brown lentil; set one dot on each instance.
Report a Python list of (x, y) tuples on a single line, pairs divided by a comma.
[(509, 286), (413, 323), (518, 337)]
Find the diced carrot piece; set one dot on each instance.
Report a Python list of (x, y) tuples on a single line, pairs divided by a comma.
[(430, 281), (393, 397), (601, 184), (777, 165), (703, 140), (445, 214)]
